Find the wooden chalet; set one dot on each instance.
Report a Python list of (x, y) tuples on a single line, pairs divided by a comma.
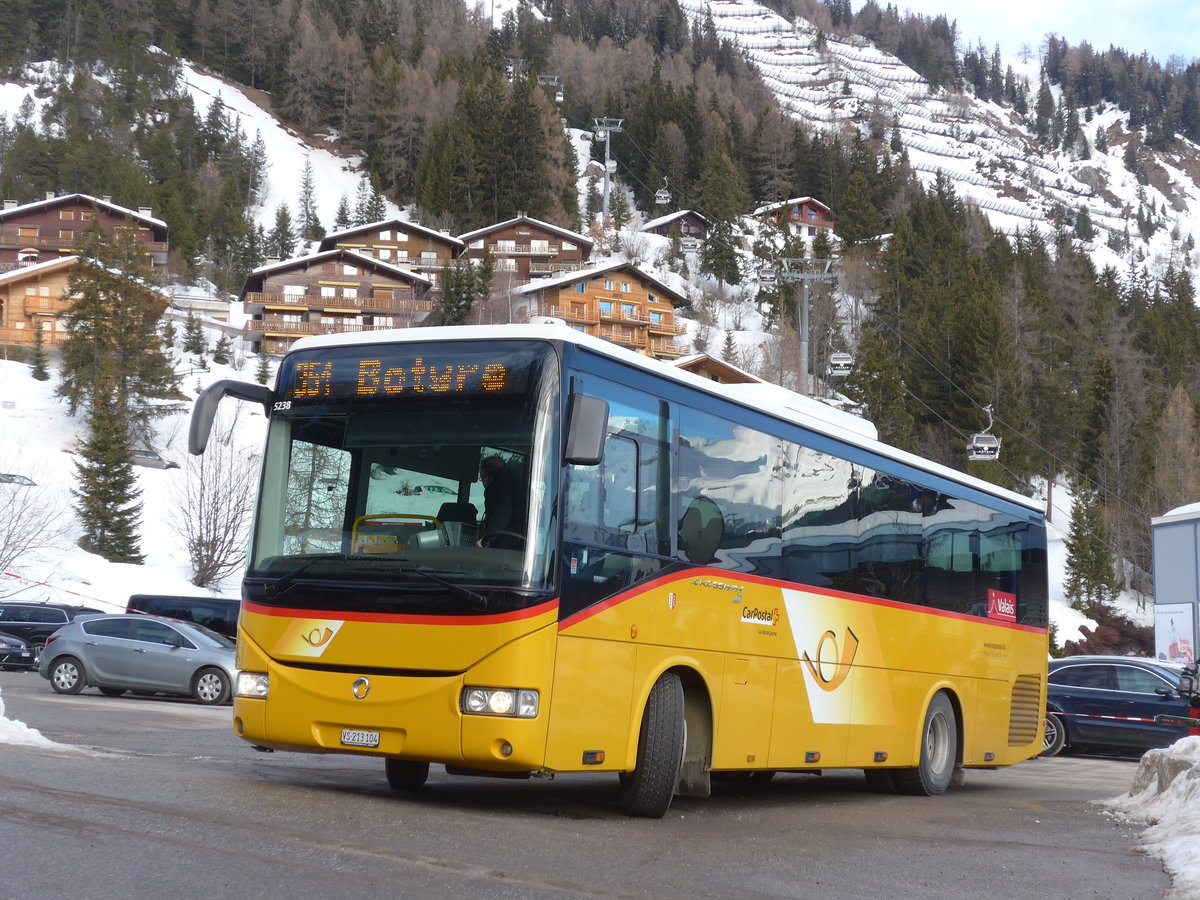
[(715, 370), (691, 227), (525, 249), (48, 229), (398, 243), (803, 216), (35, 296), (617, 302), (329, 293)]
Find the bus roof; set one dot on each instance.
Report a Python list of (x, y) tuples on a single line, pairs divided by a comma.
[(770, 399)]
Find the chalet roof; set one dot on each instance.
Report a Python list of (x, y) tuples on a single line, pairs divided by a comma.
[(698, 362), (51, 202), (22, 272), (256, 277), (795, 201), (581, 274), (330, 240), (671, 217), (561, 232)]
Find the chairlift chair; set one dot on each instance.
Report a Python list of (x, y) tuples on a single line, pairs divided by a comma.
[(766, 275), (662, 196), (840, 364)]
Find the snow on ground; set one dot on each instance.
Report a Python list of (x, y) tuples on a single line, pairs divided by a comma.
[(1166, 794)]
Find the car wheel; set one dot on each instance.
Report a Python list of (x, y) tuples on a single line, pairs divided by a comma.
[(939, 752), (405, 775), (1054, 738), (112, 692), (211, 686), (67, 676), (37, 647)]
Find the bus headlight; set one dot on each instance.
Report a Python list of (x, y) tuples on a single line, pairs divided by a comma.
[(253, 684), (511, 702)]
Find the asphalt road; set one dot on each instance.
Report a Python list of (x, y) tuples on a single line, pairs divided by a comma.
[(155, 798)]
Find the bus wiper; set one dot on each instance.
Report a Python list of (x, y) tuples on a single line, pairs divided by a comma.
[(285, 581), (478, 601)]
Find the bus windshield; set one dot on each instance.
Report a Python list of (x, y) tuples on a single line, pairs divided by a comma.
[(422, 468)]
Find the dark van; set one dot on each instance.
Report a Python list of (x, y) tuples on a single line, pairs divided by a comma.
[(219, 614)]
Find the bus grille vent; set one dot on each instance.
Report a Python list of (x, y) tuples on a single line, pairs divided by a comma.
[(1025, 717)]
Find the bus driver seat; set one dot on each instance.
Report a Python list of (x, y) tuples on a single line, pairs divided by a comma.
[(701, 530)]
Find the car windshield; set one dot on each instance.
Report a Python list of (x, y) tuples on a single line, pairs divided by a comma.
[(414, 466), (203, 635)]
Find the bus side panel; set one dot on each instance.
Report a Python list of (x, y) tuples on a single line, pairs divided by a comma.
[(591, 702), (744, 723), (799, 726)]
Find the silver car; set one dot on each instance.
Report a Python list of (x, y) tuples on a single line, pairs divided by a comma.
[(142, 654)]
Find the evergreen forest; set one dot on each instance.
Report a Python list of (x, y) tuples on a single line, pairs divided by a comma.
[(1092, 375)]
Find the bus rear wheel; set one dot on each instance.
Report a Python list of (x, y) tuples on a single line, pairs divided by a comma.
[(404, 775), (939, 752), (649, 788)]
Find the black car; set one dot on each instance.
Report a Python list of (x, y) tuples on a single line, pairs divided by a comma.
[(1109, 703), (34, 622), (15, 653)]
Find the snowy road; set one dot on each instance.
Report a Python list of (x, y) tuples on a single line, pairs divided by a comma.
[(157, 798)]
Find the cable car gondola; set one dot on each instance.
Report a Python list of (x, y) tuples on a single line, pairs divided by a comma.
[(984, 446), (662, 196), (766, 275), (840, 364)]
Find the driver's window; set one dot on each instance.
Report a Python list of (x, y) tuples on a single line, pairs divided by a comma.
[(620, 483)]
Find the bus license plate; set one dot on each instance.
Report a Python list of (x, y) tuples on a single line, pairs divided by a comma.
[(354, 737)]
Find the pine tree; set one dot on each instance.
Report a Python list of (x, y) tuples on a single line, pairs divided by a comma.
[(262, 372), (1091, 575), (39, 361), (193, 336), (308, 226), (108, 502), (112, 340), (343, 218), (281, 240), (222, 350)]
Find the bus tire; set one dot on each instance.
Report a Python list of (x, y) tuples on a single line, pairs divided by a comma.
[(651, 785), (1054, 738), (405, 775), (939, 751)]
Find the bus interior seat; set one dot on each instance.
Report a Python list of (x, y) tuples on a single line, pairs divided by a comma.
[(700, 530), (458, 512)]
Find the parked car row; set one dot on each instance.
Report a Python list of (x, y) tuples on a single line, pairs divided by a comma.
[(75, 647), (1111, 702)]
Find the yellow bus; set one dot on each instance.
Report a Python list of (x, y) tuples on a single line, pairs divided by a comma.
[(519, 550)]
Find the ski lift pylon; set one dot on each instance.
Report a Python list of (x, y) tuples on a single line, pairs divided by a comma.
[(984, 446)]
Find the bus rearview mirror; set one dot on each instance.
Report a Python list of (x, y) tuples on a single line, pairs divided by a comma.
[(587, 423), (205, 408)]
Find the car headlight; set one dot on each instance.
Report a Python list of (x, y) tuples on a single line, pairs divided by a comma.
[(253, 684), (511, 702)]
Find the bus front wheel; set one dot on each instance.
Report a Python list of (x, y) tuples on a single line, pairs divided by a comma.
[(939, 752), (648, 789), (404, 775)]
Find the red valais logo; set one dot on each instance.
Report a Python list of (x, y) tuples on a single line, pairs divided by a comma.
[(1002, 605)]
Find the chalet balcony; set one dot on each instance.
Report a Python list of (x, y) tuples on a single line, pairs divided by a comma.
[(544, 267), (635, 317), (583, 316), (402, 301), (302, 329), (10, 237), (522, 250), (665, 347), (671, 328), (624, 336)]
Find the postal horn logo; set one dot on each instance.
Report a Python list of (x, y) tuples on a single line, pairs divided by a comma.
[(832, 664), (317, 637)]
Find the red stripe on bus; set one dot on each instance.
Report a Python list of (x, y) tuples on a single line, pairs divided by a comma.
[(727, 576), (515, 615)]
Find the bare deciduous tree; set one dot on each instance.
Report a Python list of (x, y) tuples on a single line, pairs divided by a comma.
[(213, 505), (30, 517)]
